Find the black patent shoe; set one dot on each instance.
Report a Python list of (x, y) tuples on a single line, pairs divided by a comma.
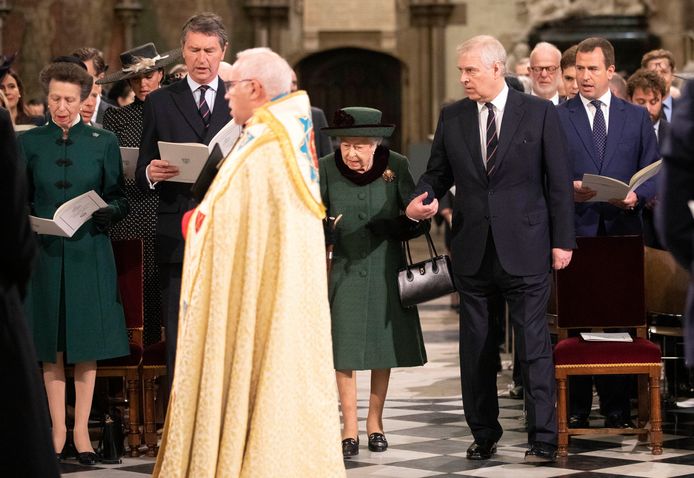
[(541, 453), (378, 442), (350, 447), (617, 420), (59, 457), (481, 450), (87, 458)]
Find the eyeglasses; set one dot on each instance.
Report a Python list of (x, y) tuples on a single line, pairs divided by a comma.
[(231, 83), (549, 69)]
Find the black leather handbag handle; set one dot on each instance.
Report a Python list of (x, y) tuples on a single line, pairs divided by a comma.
[(432, 253)]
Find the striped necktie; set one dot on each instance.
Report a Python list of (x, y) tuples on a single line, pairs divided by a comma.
[(203, 108), (492, 139)]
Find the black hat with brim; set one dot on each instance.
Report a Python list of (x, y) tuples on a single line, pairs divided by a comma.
[(141, 60)]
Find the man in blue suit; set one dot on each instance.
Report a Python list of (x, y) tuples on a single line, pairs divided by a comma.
[(512, 222), (610, 137)]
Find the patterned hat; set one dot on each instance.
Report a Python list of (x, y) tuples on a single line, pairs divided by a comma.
[(359, 121), (141, 60)]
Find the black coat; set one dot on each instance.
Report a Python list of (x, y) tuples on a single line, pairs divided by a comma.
[(28, 448), (170, 114)]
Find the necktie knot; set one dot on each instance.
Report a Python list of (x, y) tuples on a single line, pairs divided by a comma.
[(490, 107), (596, 103), (203, 88)]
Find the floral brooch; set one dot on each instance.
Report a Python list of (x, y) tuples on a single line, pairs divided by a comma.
[(388, 175)]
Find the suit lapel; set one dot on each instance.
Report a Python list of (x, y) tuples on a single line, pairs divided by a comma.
[(579, 120), (513, 113), (184, 101), (468, 123), (614, 129)]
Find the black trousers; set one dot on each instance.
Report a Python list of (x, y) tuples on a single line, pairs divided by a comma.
[(170, 277), (527, 298)]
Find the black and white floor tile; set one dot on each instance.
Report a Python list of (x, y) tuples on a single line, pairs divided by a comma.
[(428, 436)]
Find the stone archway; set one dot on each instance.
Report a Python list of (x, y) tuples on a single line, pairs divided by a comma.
[(355, 77)]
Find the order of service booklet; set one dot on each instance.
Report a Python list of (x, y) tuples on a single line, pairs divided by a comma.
[(190, 158), (610, 188), (69, 217)]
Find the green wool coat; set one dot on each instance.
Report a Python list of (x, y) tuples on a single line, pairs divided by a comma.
[(370, 329), (79, 271)]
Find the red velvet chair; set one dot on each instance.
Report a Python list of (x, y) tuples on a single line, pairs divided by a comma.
[(129, 264), (603, 288)]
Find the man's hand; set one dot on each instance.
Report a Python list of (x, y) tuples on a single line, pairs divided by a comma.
[(582, 194), (160, 170), (561, 257), (420, 211), (628, 203)]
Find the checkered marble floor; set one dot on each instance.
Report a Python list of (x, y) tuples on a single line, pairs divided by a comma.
[(428, 436)]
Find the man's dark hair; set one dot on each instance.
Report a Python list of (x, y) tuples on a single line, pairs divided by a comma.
[(87, 53), (647, 80), (568, 58), (590, 44), (207, 23)]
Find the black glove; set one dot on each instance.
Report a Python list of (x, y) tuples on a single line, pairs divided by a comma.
[(424, 187), (102, 218), (329, 231)]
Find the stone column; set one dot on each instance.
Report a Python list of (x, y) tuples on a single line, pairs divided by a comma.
[(5, 9), (269, 17), (128, 11), (430, 17)]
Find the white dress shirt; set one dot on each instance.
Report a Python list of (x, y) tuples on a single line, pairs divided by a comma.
[(499, 104), (605, 107)]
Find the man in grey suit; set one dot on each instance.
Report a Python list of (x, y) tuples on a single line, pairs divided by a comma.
[(512, 222)]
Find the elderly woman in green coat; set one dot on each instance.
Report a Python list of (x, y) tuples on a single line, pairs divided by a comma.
[(72, 304), (368, 185)]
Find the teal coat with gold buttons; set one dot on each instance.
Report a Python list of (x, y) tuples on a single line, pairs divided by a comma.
[(74, 279), (370, 329)]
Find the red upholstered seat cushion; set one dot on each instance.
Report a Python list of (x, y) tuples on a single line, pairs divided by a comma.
[(132, 360), (155, 354), (576, 351)]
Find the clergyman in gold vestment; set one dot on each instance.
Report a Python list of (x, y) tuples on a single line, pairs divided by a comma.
[(254, 383)]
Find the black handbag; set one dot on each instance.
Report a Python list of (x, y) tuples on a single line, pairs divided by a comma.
[(426, 280)]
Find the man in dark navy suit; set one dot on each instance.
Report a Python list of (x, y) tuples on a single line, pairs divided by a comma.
[(610, 137), (191, 110), (675, 217), (512, 222)]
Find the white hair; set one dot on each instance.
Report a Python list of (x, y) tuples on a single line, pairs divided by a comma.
[(546, 46), (267, 67), (490, 49)]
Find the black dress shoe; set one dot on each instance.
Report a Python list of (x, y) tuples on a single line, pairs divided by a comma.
[(578, 421), (87, 458), (516, 392), (350, 447), (378, 442), (481, 450), (541, 453), (617, 420), (59, 457)]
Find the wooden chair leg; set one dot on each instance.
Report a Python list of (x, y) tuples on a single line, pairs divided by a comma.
[(656, 419), (133, 389), (562, 425), (150, 425), (643, 404)]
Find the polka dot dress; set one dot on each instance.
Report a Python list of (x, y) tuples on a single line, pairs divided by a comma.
[(141, 222)]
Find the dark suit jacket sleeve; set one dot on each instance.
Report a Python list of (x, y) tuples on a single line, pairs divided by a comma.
[(648, 154), (149, 149), (17, 245), (438, 175), (323, 144), (558, 171), (675, 220)]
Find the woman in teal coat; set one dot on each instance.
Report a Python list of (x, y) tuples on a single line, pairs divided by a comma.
[(72, 305), (368, 186)]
